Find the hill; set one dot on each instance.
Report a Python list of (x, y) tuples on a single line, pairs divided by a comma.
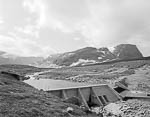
[(18, 99)]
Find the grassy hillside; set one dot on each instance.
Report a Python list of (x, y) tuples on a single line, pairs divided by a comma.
[(18, 99)]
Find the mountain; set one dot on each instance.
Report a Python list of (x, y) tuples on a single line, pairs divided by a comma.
[(91, 55), (82, 56), (127, 51), (6, 58)]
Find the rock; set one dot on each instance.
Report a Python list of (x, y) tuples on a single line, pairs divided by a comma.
[(130, 108), (127, 51), (69, 109), (124, 81), (113, 109), (97, 110)]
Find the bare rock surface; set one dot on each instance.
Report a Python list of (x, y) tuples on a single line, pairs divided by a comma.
[(127, 51), (130, 108)]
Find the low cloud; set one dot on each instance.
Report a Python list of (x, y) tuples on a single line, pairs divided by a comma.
[(1, 21), (23, 47)]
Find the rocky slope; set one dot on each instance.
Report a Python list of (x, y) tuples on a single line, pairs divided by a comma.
[(130, 108), (90, 55)]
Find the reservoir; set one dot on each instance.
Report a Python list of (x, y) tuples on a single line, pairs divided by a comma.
[(50, 84)]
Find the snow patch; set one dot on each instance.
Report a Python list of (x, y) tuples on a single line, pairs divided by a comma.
[(111, 49), (83, 62), (104, 52), (118, 54), (106, 60), (100, 58), (71, 54), (67, 55)]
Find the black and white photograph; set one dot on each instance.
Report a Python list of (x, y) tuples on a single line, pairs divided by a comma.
[(74, 58)]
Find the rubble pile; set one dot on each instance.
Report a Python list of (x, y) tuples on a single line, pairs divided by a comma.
[(136, 108), (130, 108)]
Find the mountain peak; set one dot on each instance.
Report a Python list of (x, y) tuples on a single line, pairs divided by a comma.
[(127, 51)]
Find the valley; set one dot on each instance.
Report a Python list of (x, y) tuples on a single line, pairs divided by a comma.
[(74, 58), (26, 85)]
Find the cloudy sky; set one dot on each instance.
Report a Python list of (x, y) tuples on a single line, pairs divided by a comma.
[(43, 27)]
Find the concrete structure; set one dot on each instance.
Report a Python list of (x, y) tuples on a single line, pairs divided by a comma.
[(126, 94), (99, 95), (135, 95)]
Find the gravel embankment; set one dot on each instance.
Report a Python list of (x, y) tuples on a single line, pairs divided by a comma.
[(130, 108)]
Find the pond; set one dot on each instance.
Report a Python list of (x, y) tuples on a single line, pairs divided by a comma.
[(50, 84)]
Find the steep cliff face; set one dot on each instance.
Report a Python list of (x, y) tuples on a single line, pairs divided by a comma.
[(127, 51)]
